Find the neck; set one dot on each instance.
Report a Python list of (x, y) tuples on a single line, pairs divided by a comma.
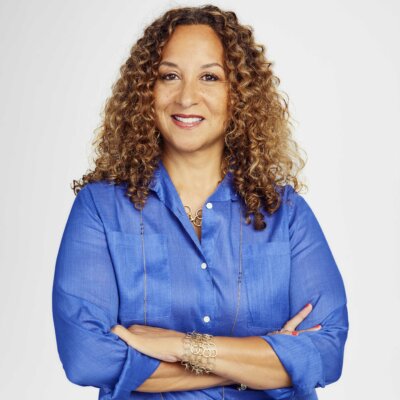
[(194, 174)]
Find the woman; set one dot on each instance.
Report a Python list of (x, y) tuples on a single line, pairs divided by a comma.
[(165, 287)]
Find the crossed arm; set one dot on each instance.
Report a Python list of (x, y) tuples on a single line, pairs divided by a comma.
[(85, 310), (248, 360)]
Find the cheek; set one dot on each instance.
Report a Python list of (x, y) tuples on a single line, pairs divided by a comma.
[(161, 98), (217, 101), (220, 104)]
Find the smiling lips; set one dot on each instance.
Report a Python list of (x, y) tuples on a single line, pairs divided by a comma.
[(187, 121)]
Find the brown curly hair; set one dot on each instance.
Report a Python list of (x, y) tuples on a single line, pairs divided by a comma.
[(259, 149)]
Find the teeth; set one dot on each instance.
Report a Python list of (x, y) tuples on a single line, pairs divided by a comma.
[(187, 120)]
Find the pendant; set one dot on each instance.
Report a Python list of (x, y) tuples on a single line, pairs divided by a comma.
[(196, 220)]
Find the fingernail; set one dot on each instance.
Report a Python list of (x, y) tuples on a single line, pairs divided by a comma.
[(317, 326), (294, 333), (308, 304)]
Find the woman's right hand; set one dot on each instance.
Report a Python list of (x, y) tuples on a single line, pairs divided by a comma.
[(290, 326)]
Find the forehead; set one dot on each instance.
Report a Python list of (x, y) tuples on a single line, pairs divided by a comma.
[(194, 42)]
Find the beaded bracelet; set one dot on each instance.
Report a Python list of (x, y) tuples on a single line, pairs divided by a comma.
[(199, 352)]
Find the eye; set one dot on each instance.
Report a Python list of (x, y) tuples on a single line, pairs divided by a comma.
[(212, 76), (167, 77)]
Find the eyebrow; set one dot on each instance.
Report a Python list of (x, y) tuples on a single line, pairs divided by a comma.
[(170, 64)]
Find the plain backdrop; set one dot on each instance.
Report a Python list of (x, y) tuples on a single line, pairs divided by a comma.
[(338, 62)]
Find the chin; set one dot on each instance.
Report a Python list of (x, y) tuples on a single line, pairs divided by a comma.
[(185, 146)]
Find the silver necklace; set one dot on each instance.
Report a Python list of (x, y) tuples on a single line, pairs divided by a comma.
[(239, 283)]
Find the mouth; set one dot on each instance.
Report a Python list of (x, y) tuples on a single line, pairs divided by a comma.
[(187, 121)]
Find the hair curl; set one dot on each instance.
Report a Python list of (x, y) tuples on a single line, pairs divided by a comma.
[(259, 149)]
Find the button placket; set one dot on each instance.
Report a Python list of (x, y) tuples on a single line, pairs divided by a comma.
[(208, 230)]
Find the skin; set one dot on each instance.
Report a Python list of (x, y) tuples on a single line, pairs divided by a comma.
[(193, 159)]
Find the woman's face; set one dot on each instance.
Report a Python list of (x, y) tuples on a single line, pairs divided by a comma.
[(191, 92)]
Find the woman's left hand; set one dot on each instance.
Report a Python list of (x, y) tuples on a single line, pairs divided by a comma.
[(163, 344), (290, 326)]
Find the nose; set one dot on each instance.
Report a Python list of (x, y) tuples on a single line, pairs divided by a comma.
[(187, 94)]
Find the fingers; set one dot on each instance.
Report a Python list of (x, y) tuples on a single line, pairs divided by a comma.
[(298, 318), (284, 332), (314, 328), (121, 331), (290, 326)]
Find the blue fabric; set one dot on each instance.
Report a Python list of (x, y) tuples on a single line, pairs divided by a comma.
[(99, 282)]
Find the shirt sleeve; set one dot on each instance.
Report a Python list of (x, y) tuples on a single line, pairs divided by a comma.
[(85, 308), (312, 359)]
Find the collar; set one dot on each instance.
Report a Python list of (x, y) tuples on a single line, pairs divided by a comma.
[(166, 191)]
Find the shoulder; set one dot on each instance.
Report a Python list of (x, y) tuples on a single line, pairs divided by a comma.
[(101, 189), (103, 200), (294, 202), (100, 194), (289, 196), (300, 210)]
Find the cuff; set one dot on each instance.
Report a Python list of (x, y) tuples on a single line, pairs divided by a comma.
[(137, 368), (302, 361), (289, 394)]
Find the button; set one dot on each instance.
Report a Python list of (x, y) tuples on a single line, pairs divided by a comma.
[(206, 318), (209, 205), (203, 265)]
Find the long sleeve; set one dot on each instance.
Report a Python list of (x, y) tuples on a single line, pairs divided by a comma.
[(312, 359), (85, 304)]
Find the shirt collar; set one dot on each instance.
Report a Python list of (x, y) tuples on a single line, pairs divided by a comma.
[(166, 191)]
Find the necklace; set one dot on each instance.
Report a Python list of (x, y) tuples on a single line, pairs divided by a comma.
[(239, 282), (196, 220)]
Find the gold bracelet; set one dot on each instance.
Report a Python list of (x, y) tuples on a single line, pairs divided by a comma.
[(199, 352)]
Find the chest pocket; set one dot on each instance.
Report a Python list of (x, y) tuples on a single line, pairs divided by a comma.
[(141, 293), (266, 270)]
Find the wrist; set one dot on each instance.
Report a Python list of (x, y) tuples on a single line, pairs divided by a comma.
[(179, 347), (199, 352)]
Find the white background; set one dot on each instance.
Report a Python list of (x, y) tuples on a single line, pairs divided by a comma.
[(339, 63)]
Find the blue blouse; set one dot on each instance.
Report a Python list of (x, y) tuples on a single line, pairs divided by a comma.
[(192, 285)]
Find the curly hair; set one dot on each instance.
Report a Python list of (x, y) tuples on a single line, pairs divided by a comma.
[(259, 149)]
